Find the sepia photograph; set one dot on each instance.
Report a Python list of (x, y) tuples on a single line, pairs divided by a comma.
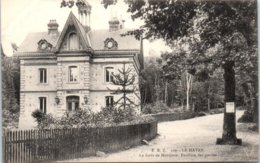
[(129, 81)]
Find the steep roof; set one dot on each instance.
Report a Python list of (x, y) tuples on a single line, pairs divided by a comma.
[(93, 39), (82, 32), (30, 44), (97, 38)]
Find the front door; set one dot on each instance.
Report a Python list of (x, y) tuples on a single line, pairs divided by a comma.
[(72, 103)]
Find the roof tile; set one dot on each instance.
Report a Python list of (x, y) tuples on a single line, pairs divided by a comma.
[(30, 44), (96, 38)]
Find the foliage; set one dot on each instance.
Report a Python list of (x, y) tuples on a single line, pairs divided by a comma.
[(126, 80), (38, 115), (8, 85), (151, 84), (206, 85), (75, 119), (209, 94), (10, 119), (71, 3), (246, 118), (157, 107), (10, 91), (218, 34), (108, 116), (117, 115), (43, 120)]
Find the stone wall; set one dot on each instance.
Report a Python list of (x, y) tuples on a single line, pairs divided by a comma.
[(31, 103), (91, 83), (30, 79), (99, 88)]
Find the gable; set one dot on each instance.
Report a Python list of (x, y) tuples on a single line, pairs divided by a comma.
[(72, 27), (71, 40)]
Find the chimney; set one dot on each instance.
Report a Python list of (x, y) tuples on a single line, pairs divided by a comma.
[(84, 11), (115, 24), (53, 27)]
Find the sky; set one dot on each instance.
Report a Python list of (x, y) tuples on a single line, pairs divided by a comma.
[(20, 17)]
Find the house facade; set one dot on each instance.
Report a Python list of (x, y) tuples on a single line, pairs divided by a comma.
[(61, 71)]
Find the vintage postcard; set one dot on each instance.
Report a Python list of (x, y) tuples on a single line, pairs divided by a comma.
[(129, 81)]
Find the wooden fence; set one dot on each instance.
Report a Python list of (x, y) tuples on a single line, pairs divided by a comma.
[(26, 146)]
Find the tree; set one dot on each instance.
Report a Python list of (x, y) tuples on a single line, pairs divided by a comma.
[(229, 27), (176, 66), (9, 99), (155, 84), (126, 80), (208, 93), (225, 25)]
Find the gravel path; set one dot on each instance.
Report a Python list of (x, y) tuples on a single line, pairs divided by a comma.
[(189, 140)]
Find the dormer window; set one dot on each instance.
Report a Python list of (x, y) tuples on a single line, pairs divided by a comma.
[(44, 45), (110, 43), (73, 41)]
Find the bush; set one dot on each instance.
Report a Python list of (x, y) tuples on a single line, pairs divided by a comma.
[(78, 118), (117, 115), (138, 120), (38, 115), (43, 120), (157, 107), (247, 117), (108, 116), (10, 120), (10, 116)]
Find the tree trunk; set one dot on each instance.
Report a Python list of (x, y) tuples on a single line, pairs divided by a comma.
[(229, 132), (145, 95), (208, 95), (193, 106), (229, 126), (245, 89), (255, 101), (166, 93), (187, 91), (124, 94), (208, 104)]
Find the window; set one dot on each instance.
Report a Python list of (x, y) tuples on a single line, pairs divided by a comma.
[(73, 74), (43, 75), (73, 42), (108, 74), (109, 101), (42, 102), (72, 103)]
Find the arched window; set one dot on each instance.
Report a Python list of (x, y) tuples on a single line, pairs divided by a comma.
[(72, 103), (73, 41)]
